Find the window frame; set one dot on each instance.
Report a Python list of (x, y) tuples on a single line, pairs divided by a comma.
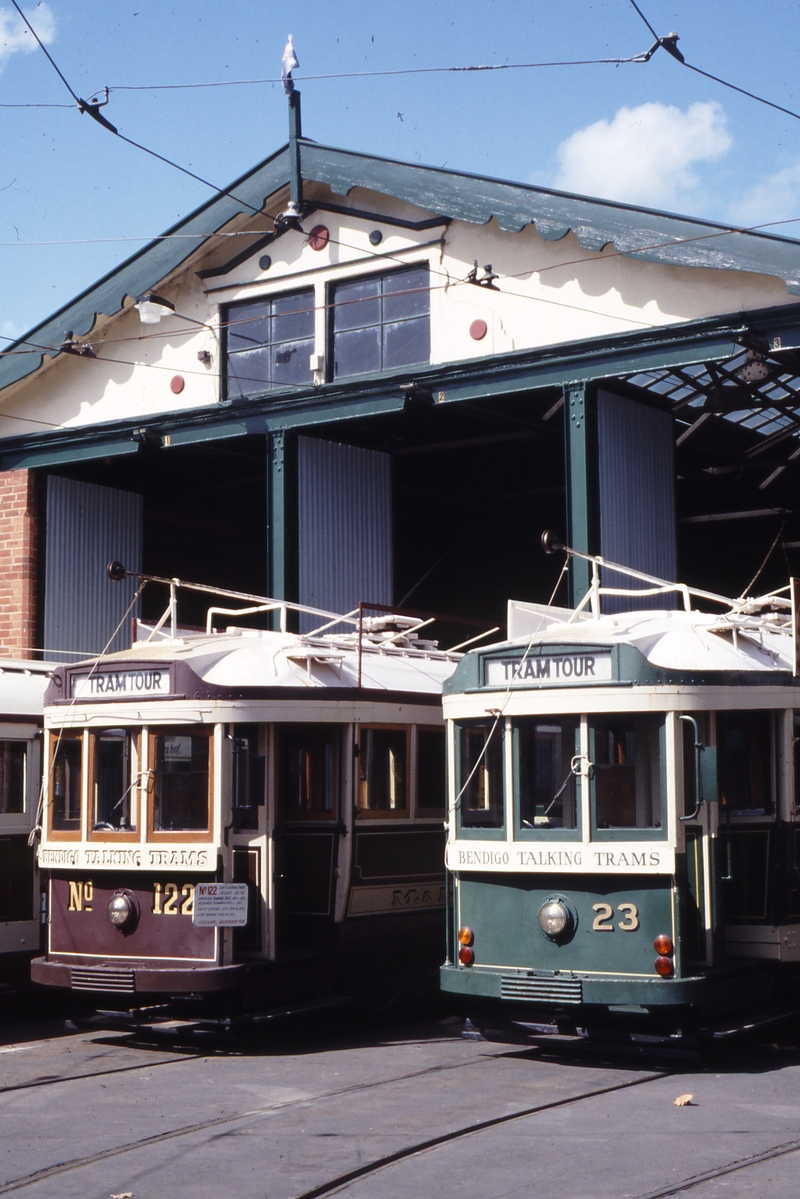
[(742, 816), (538, 833), (136, 790), (56, 738), (23, 819), (331, 287), (479, 832), (392, 814), (227, 354), (315, 817), (179, 835), (418, 811), (648, 833)]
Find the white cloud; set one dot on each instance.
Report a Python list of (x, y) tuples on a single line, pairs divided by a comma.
[(644, 155), (10, 330), (776, 197), (16, 37)]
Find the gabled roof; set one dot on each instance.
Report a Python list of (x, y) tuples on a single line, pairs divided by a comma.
[(642, 232)]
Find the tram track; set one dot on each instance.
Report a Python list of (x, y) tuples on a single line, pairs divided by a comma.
[(331, 1186)]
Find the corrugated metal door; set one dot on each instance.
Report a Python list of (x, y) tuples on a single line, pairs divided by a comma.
[(636, 478), (86, 527), (344, 526)]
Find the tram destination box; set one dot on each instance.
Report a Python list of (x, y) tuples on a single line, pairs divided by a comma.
[(220, 905)]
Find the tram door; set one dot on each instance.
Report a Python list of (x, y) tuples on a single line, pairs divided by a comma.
[(308, 828), (698, 915)]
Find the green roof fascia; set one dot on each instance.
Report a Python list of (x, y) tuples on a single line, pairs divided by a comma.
[(145, 269), (505, 374), (640, 232)]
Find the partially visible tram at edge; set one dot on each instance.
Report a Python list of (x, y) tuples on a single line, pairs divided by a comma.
[(624, 816), (246, 820), (22, 685)]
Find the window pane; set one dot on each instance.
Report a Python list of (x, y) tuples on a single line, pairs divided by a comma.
[(627, 773), (406, 343), (481, 774), (357, 304), (291, 363), (406, 294), (248, 325), (382, 770), (12, 777), (744, 762), (357, 352), (546, 783), (294, 316), (112, 785), (181, 781), (431, 772), (66, 784), (249, 372), (307, 769)]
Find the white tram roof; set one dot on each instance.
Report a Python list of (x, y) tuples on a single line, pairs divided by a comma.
[(22, 686), (676, 640), (393, 659)]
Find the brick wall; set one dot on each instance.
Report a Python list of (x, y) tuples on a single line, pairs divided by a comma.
[(18, 545)]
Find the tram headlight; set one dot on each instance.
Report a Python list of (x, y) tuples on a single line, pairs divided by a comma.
[(555, 919), (663, 945), (123, 911)]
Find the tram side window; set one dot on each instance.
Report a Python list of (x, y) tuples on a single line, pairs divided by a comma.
[(480, 779), (181, 780), (431, 771), (12, 777), (308, 770), (383, 771), (248, 768), (744, 762), (113, 782), (545, 750), (626, 770), (65, 788)]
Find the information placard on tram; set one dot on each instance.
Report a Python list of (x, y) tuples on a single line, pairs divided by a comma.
[(106, 684), (561, 670), (220, 905)]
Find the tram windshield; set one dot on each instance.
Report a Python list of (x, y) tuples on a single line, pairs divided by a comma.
[(66, 784), (544, 752), (181, 779), (12, 777), (113, 782), (745, 762), (480, 777), (626, 771)]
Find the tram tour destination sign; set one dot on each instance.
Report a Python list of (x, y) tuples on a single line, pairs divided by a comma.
[(220, 905), (108, 684), (550, 670)]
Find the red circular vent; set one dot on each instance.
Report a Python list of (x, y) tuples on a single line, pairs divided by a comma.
[(177, 384), (478, 330), (318, 237)]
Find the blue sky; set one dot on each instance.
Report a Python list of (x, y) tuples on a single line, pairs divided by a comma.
[(655, 133)]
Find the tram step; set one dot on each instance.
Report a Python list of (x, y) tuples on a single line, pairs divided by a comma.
[(541, 990), (102, 978)]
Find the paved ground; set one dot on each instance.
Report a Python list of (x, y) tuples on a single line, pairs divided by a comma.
[(408, 1111)]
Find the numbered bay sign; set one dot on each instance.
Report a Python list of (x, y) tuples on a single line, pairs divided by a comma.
[(220, 905)]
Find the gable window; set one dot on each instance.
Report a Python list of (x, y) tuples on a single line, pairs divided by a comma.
[(381, 323), (269, 343)]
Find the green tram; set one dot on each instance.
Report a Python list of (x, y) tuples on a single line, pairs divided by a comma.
[(624, 815)]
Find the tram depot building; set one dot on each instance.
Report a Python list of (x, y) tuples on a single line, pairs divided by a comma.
[(352, 379)]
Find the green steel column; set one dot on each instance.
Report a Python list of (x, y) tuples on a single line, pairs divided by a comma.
[(282, 529), (580, 444)]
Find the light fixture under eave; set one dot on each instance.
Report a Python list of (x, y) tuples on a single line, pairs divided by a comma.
[(754, 369), (151, 308)]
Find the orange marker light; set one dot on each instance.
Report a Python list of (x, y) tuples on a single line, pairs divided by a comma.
[(465, 956), (663, 944), (663, 966), (465, 936)]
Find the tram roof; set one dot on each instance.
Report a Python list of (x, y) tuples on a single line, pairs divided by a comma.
[(677, 646), (252, 660)]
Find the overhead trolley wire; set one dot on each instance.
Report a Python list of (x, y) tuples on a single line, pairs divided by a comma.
[(669, 44)]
